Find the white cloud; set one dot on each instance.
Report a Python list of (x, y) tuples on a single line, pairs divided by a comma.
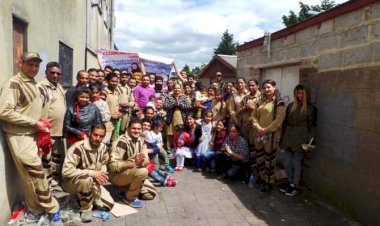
[(189, 30)]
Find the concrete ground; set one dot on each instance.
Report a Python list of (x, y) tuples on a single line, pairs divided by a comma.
[(201, 199)]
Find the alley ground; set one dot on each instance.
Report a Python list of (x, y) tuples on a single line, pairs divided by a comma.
[(200, 199)]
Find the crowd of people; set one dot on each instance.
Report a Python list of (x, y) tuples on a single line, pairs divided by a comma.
[(124, 126)]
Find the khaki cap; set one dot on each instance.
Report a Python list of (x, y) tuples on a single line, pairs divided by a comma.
[(30, 56)]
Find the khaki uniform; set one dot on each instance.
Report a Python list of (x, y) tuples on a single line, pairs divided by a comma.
[(21, 107), (112, 99), (266, 151), (233, 105), (244, 118), (125, 96), (80, 160), (54, 110), (126, 149)]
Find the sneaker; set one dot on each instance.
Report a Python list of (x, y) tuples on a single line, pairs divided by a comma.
[(171, 182), (176, 168), (86, 216), (284, 188), (56, 219), (134, 203), (292, 190), (32, 217), (169, 169), (180, 168)]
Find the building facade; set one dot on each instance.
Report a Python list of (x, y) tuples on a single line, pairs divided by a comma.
[(66, 31), (336, 54)]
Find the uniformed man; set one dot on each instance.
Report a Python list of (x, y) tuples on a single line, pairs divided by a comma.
[(129, 158), (20, 112), (54, 110), (85, 171), (126, 102)]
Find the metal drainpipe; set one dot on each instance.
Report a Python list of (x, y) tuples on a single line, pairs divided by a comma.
[(112, 23), (85, 47)]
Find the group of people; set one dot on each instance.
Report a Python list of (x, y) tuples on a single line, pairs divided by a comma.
[(118, 126)]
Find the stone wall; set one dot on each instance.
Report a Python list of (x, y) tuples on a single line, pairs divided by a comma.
[(339, 61), (349, 41)]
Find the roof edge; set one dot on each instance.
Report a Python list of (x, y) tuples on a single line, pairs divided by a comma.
[(330, 14)]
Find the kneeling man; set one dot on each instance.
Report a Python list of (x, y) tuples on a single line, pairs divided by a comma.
[(85, 171), (129, 158)]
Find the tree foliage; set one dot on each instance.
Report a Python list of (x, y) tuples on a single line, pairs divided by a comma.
[(186, 68), (304, 12), (226, 45)]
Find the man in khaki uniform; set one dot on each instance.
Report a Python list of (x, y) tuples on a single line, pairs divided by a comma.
[(129, 158), (85, 171), (54, 110), (20, 111), (126, 102)]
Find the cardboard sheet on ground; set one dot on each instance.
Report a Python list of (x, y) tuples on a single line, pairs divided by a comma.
[(120, 210)]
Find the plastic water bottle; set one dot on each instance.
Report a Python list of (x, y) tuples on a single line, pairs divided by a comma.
[(102, 215), (252, 180)]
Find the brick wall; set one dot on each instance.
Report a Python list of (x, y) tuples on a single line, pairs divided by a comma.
[(340, 62)]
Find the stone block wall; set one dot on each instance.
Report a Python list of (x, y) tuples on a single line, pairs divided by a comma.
[(339, 62), (348, 41)]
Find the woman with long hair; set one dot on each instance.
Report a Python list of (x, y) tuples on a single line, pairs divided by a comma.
[(267, 120), (80, 117), (247, 106), (298, 129), (233, 104)]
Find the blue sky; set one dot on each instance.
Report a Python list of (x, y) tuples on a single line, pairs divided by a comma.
[(189, 30)]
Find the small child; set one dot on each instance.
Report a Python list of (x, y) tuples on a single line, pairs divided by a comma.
[(206, 135), (155, 138), (153, 149), (201, 97), (151, 103), (104, 111), (180, 140)]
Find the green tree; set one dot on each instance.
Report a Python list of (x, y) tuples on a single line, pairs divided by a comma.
[(304, 12), (226, 45), (186, 68)]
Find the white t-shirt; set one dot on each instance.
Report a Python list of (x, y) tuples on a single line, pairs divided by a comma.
[(153, 137)]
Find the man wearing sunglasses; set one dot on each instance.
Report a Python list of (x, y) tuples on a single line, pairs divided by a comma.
[(54, 110)]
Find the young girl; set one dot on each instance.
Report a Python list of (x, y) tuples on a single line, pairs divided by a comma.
[(203, 146), (180, 140), (201, 97), (104, 111), (218, 136), (155, 137), (218, 107)]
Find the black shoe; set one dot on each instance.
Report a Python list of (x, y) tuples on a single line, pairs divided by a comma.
[(284, 187), (292, 190)]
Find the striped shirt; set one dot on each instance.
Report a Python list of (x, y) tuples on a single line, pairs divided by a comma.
[(81, 159), (125, 150), (21, 105)]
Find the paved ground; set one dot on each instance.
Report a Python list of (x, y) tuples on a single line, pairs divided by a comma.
[(200, 199)]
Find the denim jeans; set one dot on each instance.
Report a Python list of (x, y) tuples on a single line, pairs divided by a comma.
[(158, 175), (292, 162), (208, 157)]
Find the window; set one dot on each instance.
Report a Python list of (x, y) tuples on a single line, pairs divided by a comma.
[(19, 41), (66, 61)]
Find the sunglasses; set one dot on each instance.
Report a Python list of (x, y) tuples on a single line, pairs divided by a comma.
[(53, 72)]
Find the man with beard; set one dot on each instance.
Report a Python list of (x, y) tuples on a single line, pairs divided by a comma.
[(158, 86), (143, 92), (85, 171)]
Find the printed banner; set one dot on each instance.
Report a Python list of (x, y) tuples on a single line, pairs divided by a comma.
[(117, 59), (148, 63)]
